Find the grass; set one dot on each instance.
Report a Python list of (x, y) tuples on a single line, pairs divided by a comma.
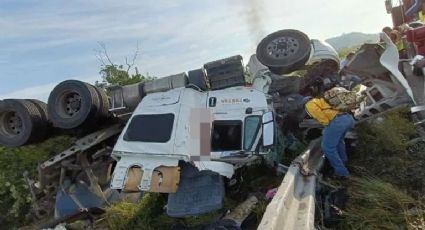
[(375, 204), (14, 193), (383, 151), (387, 188), (386, 135), (260, 208), (149, 214), (145, 214)]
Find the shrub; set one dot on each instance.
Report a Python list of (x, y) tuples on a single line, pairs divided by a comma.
[(15, 197)]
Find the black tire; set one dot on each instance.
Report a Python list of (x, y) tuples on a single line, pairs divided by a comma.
[(42, 108), (103, 102), (73, 103), (197, 77), (44, 129), (20, 123), (284, 51)]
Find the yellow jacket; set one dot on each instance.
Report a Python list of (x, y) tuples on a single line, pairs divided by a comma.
[(320, 110)]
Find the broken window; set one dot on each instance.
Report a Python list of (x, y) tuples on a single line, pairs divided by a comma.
[(377, 96), (226, 135), (252, 126), (150, 128)]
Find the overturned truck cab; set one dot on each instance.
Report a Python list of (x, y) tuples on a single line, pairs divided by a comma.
[(212, 130)]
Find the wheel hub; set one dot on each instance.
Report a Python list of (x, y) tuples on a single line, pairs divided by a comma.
[(14, 123), (73, 104), (283, 47)]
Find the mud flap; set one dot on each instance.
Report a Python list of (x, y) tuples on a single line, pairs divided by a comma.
[(199, 192)]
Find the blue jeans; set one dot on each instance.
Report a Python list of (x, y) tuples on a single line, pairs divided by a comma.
[(333, 144)]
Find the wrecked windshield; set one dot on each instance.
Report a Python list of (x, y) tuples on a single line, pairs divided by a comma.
[(150, 128), (227, 136), (252, 126)]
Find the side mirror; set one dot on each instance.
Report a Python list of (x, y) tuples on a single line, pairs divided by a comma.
[(268, 129)]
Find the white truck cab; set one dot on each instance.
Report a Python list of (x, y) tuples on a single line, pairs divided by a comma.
[(217, 129), (211, 129)]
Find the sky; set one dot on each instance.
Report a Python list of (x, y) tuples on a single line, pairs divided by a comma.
[(45, 42)]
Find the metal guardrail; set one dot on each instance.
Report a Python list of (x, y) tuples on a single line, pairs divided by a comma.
[(293, 206)]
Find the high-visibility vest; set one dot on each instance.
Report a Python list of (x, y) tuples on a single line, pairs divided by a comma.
[(421, 16), (400, 45)]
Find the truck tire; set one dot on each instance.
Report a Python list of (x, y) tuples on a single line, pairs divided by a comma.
[(42, 108), (104, 102), (73, 103), (20, 123), (197, 77), (46, 125), (284, 51)]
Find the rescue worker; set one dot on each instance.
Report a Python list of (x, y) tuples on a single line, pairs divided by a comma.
[(332, 110), (387, 30), (346, 60), (396, 38)]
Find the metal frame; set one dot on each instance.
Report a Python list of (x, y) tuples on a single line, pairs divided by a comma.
[(293, 206), (87, 156)]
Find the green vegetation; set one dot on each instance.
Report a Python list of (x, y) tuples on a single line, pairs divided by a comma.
[(260, 209), (388, 186), (119, 74), (15, 199), (375, 204), (113, 74), (149, 214), (142, 215), (388, 134), (383, 151)]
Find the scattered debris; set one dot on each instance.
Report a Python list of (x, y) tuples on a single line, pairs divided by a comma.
[(271, 193), (242, 211)]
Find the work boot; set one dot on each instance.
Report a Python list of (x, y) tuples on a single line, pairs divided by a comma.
[(342, 181)]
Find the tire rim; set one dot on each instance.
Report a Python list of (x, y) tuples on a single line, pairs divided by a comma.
[(283, 47), (11, 123), (69, 104)]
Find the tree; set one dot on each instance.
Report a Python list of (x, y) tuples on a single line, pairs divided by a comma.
[(118, 74)]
